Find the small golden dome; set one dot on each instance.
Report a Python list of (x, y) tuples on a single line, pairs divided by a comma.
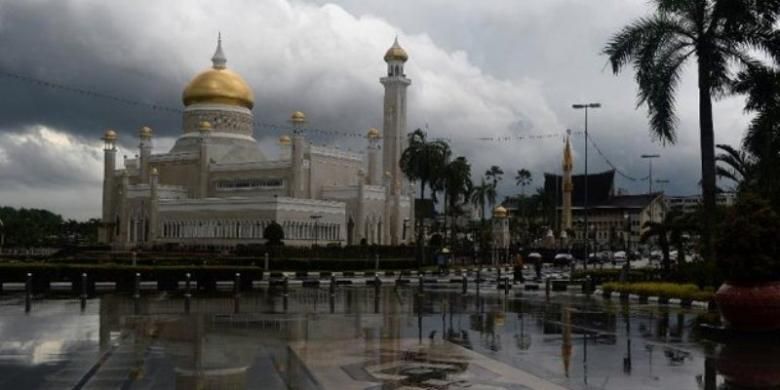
[(373, 133), (285, 140), (218, 85), (396, 53), (109, 135), (204, 126), (145, 132), (499, 212), (298, 117), (154, 172)]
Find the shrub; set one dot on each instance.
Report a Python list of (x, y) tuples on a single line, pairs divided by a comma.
[(748, 247)]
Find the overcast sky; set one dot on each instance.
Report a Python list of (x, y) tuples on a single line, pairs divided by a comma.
[(478, 68)]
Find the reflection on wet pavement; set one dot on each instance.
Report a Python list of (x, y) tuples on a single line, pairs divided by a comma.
[(356, 338)]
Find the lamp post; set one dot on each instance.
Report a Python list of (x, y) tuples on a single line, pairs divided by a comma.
[(627, 232), (586, 106), (650, 158)]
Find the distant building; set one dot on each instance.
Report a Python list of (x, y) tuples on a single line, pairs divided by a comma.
[(690, 203), (612, 219)]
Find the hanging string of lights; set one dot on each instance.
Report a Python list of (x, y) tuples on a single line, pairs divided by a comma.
[(613, 166)]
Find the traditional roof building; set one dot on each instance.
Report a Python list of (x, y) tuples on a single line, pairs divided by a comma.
[(614, 219), (216, 187)]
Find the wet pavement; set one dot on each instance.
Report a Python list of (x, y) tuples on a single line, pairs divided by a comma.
[(366, 338)]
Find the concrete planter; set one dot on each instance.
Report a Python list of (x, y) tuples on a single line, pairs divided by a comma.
[(751, 307)]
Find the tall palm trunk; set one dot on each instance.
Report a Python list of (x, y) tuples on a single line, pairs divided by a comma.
[(707, 158), (420, 225)]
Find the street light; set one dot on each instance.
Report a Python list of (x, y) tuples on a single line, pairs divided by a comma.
[(628, 232), (650, 158), (586, 106)]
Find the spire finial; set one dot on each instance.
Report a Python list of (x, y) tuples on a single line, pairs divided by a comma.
[(219, 60)]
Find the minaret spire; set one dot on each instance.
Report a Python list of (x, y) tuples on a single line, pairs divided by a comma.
[(568, 184), (219, 60)]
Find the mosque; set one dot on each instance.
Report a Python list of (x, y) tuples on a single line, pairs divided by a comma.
[(215, 187)]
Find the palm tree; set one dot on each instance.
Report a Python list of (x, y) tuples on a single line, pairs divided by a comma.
[(736, 165), (456, 183), (717, 33), (423, 161), (762, 139), (671, 230), (479, 197), (523, 179), (660, 231), (494, 175)]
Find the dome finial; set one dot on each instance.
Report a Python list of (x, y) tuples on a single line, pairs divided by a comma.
[(396, 52), (219, 60)]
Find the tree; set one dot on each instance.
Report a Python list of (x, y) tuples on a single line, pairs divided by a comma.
[(762, 139), (479, 195), (669, 231), (456, 185), (717, 33), (423, 161), (735, 165), (273, 234), (523, 179), (494, 175)]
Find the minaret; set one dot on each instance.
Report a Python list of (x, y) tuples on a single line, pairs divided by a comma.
[(394, 126), (374, 158), (203, 171), (568, 185), (145, 152), (109, 165), (298, 185), (285, 147)]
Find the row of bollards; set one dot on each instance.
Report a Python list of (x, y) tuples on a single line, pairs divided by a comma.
[(84, 293)]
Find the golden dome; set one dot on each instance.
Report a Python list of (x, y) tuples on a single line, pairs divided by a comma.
[(218, 85), (145, 132), (109, 135), (396, 53), (298, 117), (285, 140), (373, 134), (154, 172), (499, 212)]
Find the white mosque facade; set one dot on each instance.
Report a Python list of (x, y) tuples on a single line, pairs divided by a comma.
[(215, 187)]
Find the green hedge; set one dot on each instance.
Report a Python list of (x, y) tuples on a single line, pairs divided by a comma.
[(663, 290)]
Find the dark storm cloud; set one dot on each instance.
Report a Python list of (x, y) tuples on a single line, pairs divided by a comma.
[(496, 68)]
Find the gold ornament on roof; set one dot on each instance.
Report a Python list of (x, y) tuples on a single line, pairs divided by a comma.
[(499, 212), (109, 135), (285, 140), (297, 118), (145, 132), (373, 134), (219, 85), (396, 53), (204, 126), (154, 172)]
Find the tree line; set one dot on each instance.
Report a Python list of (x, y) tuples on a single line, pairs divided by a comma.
[(27, 228)]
